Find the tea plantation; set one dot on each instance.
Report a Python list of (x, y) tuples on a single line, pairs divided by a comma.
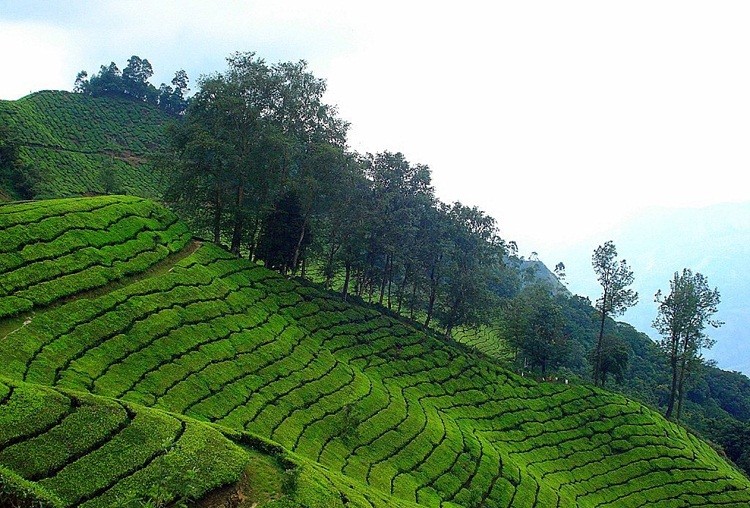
[(195, 370), (69, 138)]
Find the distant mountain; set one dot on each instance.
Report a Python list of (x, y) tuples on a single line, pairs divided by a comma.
[(534, 270)]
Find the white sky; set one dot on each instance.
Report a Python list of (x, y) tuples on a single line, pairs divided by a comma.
[(560, 119)]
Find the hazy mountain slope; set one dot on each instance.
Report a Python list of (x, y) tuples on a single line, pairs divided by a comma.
[(76, 142), (381, 412)]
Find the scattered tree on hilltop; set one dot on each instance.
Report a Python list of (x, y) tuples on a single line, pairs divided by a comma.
[(133, 83), (614, 277), (682, 318)]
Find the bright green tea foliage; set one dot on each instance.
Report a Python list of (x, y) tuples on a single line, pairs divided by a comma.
[(73, 139), (91, 451), (55, 249), (376, 413)]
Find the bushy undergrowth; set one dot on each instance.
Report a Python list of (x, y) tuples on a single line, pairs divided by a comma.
[(374, 412)]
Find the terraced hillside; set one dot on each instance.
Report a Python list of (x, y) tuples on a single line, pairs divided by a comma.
[(73, 140), (205, 352)]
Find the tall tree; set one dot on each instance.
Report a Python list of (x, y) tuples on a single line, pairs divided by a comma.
[(614, 276), (173, 99), (682, 317), (135, 78), (474, 253), (400, 190), (262, 126), (533, 323)]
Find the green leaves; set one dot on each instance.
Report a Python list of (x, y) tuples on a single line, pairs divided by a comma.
[(614, 276)]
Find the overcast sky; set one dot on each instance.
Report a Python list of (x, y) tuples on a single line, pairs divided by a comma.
[(560, 119)]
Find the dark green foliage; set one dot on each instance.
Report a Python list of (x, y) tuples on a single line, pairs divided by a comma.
[(133, 83), (250, 134), (280, 237)]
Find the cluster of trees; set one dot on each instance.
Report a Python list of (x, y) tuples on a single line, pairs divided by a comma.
[(260, 162), (539, 323), (133, 83)]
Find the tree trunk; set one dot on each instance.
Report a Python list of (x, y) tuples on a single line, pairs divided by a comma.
[(413, 302), (433, 291), (252, 242), (431, 304), (217, 219), (348, 270), (298, 247), (673, 389), (238, 221), (329, 264), (598, 351), (680, 387), (390, 279), (401, 289), (382, 282)]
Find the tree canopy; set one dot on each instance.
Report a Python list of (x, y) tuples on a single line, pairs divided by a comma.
[(133, 83), (614, 277), (682, 317)]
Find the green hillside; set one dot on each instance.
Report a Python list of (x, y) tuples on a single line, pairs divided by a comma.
[(180, 379), (75, 142)]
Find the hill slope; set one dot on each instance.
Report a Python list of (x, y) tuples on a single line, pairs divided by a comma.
[(73, 141), (375, 412)]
